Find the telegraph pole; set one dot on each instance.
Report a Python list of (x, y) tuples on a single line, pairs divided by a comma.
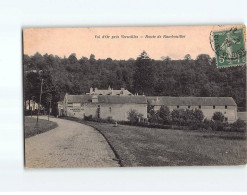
[(39, 102), (49, 110)]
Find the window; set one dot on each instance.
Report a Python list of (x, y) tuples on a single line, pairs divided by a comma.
[(177, 106), (98, 106), (213, 106), (110, 109), (189, 107), (225, 106), (200, 106)]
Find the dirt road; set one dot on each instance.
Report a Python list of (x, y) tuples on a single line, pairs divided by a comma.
[(69, 145)]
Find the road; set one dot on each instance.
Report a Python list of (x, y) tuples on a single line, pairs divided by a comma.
[(69, 145)]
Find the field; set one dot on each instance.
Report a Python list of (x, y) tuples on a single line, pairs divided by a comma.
[(31, 129), (140, 146)]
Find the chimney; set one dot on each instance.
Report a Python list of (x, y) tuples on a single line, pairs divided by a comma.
[(95, 99), (91, 90)]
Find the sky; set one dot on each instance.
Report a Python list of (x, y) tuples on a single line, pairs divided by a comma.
[(83, 42)]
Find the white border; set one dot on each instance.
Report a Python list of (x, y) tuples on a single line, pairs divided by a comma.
[(14, 15)]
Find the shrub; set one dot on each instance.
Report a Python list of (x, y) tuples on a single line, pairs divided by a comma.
[(191, 118), (134, 116), (218, 116), (88, 118), (238, 125), (164, 115), (110, 120), (207, 124), (198, 115), (153, 117), (177, 116)]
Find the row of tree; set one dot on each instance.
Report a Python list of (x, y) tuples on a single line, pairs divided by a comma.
[(192, 119), (166, 77)]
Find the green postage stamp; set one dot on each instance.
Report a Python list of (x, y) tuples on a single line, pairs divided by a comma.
[(230, 47)]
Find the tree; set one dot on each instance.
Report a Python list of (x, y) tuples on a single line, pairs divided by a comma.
[(165, 115), (218, 116), (134, 116), (72, 58), (198, 115), (187, 57), (143, 80), (92, 59)]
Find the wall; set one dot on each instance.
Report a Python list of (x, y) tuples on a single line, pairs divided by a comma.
[(118, 112), (75, 111), (208, 111)]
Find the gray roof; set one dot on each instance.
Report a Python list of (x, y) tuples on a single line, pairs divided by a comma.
[(191, 101), (111, 99)]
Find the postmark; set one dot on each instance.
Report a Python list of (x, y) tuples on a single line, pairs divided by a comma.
[(229, 47)]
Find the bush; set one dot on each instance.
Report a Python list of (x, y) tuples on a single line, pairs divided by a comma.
[(134, 116), (110, 120), (207, 124), (177, 116), (165, 115), (191, 118), (88, 118), (218, 116), (238, 125), (218, 125)]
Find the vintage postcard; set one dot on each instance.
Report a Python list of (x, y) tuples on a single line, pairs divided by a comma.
[(134, 96)]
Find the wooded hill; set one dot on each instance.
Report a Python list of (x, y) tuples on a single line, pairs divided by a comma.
[(166, 77)]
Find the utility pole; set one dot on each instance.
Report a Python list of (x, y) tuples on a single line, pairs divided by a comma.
[(39, 102), (49, 110), (32, 107)]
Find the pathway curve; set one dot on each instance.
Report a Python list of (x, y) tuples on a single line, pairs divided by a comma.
[(69, 145)]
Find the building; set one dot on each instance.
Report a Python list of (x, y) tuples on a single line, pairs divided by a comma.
[(31, 105), (109, 91), (60, 108), (102, 106), (208, 105)]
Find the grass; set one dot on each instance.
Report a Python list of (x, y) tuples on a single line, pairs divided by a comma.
[(142, 146), (31, 129)]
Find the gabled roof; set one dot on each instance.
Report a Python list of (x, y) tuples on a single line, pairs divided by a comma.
[(191, 101), (111, 99)]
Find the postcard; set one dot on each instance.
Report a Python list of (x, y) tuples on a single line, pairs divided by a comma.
[(134, 96)]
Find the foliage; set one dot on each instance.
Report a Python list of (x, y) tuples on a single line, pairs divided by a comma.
[(165, 114), (75, 75), (218, 116), (191, 118), (238, 125), (143, 79), (134, 116)]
